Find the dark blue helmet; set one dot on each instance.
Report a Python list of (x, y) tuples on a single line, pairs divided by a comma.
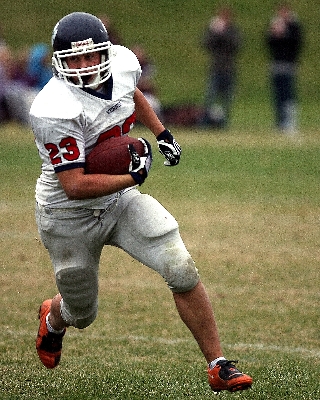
[(75, 34)]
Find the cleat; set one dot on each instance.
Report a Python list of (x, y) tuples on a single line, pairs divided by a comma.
[(225, 376), (48, 344)]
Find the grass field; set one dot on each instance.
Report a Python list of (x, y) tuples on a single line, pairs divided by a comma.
[(248, 207)]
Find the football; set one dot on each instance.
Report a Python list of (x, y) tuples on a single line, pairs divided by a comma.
[(112, 156)]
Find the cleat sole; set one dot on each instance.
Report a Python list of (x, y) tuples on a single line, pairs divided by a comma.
[(240, 387)]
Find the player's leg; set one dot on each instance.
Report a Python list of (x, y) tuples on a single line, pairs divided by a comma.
[(54, 318), (150, 234), (75, 257), (196, 312)]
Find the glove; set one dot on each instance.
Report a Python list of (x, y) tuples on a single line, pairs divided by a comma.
[(140, 165), (169, 148)]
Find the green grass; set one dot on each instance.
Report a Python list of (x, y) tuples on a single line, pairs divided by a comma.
[(248, 208)]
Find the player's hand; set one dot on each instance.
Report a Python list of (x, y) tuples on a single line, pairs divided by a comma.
[(169, 148), (140, 165)]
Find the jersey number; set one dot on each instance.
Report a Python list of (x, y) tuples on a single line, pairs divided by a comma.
[(117, 130), (68, 146)]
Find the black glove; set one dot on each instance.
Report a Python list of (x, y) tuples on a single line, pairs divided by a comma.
[(139, 166), (169, 148)]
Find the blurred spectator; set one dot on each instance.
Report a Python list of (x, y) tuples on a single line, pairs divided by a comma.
[(22, 75), (39, 68), (146, 82), (114, 36), (2, 39), (222, 39), (284, 41), (18, 67), (4, 79)]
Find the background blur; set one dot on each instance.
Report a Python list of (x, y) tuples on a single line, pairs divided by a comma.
[(171, 30)]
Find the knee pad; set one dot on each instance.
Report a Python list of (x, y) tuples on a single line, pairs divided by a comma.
[(79, 290), (180, 271)]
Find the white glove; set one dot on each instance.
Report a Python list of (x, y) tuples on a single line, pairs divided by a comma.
[(169, 148)]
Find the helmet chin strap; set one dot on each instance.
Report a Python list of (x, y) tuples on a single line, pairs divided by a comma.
[(94, 83)]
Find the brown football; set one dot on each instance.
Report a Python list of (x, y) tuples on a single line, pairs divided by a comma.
[(112, 156)]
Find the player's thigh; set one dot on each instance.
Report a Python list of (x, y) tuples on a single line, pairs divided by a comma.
[(72, 241), (149, 233)]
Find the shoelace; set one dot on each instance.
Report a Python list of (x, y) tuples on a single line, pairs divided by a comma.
[(228, 369), (230, 363)]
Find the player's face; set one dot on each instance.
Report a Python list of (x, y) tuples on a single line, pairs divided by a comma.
[(83, 61)]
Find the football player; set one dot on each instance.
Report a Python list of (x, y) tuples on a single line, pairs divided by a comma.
[(93, 96)]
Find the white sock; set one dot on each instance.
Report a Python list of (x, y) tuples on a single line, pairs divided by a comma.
[(50, 329), (214, 362)]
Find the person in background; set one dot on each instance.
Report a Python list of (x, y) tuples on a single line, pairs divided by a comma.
[(284, 43), (27, 71), (23, 73), (222, 40), (146, 82), (114, 36), (5, 57), (38, 67)]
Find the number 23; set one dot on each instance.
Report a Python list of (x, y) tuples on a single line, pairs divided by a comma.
[(68, 148), (72, 152)]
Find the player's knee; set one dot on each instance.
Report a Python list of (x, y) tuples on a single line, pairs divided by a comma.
[(181, 276), (79, 289)]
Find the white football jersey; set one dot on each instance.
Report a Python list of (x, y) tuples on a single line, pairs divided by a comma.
[(68, 122)]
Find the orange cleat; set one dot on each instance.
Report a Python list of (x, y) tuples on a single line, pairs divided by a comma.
[(48, 344), (225, 376)]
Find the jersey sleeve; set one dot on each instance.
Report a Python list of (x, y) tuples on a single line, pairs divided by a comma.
[(126, 71), (61, 145), (58, 124)]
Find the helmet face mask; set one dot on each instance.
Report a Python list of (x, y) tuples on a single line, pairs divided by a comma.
[(75, 35)]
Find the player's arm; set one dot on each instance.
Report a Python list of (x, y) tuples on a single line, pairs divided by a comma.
[(79, 185), (167, 145), (146, 115)]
